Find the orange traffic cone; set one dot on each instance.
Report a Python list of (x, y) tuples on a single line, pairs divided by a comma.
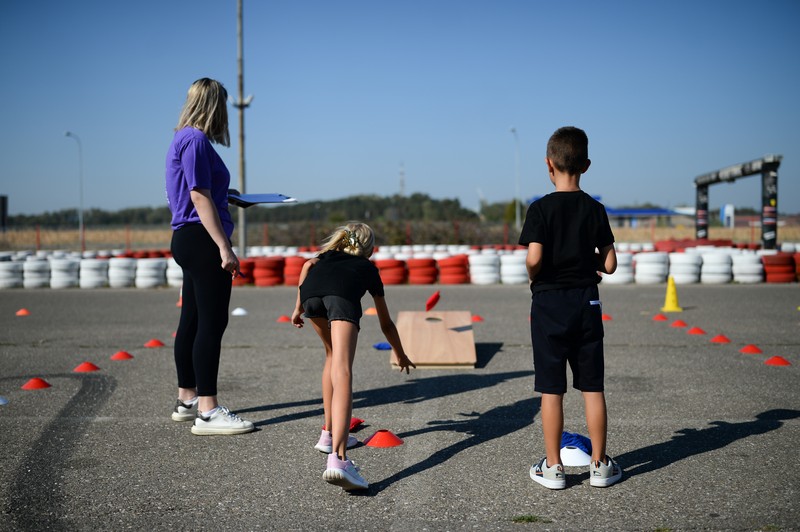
[(777, 361), (85, 368), (36, 384), (751, 349), (383, 438)]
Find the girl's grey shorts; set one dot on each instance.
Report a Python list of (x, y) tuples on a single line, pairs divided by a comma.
[(333, 308)]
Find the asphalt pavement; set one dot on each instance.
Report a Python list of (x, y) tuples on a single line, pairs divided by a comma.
[(708, 436)]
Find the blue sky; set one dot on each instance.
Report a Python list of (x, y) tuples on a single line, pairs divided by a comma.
[(346, 92)]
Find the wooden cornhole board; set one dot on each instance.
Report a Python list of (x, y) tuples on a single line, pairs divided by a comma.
[(437, 339)]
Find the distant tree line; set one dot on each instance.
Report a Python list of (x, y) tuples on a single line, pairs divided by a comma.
[(414, 208)]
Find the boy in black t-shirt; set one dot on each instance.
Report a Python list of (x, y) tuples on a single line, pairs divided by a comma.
[(569, 240)]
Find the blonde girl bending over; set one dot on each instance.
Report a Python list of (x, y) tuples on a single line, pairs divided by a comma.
[(329, 294)]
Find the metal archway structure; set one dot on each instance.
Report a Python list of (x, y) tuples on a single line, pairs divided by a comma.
[(767, 166)]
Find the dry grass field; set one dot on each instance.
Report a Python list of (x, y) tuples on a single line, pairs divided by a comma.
[(301, 235)]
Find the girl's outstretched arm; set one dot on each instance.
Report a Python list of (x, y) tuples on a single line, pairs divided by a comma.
[(389, 330), (297, 314)]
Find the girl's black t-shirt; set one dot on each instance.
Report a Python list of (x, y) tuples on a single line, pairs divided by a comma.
[(340, 274), (570, 226)]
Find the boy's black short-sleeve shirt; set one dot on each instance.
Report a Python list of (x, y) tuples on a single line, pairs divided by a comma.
[(570, 226), (340, 274)]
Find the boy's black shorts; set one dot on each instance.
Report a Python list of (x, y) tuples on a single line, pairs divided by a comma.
[(333, 308), (567, 327)]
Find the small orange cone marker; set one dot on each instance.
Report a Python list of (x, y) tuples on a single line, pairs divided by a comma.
[(477, 318), (154, 343), (371, 311), (284, 319), (777, 361), (751, 349), (431, 302), (36, 384), (179, 304), (607, 317), (23, 312), (721, 339), (671, 299), (121, 355), (383, 438), (695, 330), (660, 317), (85, 368), (679, 323)]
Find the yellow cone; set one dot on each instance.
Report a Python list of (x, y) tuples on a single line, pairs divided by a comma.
[(671, 300)]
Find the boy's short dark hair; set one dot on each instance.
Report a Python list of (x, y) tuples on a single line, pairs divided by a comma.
[(568, 150)]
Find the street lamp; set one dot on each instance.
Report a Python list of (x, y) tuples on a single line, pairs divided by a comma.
[(80, 189), (516, 194)]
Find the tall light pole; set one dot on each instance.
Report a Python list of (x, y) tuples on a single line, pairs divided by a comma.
[(516, 167), (80, 189), (241, 104)]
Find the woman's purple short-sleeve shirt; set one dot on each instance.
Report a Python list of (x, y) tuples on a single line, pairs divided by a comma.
[(193, 164)]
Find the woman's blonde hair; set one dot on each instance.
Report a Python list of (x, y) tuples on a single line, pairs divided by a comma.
[(206, 109), (355, 238)]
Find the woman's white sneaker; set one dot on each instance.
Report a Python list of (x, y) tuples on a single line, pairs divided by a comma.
[(185, 411), (220, 421)]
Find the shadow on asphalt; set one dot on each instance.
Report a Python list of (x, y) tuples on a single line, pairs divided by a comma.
[(484, 351), (415, 390), (690, 442), (480, 428)]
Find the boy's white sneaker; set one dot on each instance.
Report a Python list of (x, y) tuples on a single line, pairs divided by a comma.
[(603, 475), (220, 421), (549, 477)]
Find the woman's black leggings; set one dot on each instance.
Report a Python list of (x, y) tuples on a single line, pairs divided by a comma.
[(204, 313)]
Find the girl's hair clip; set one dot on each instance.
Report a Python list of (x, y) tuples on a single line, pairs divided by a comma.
[(350, 239)]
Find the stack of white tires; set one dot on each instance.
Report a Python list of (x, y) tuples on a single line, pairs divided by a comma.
[(717, 268), (685, 267), (651, 267), (484, 268), (174, 274), (151, 273), (64, 273), (513, 269), (747, 268), (36, 272), (121, 272), (94, 273), (10, 274), (624, 272)]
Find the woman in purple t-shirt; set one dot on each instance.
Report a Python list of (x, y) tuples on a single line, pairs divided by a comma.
[(197, 191)]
